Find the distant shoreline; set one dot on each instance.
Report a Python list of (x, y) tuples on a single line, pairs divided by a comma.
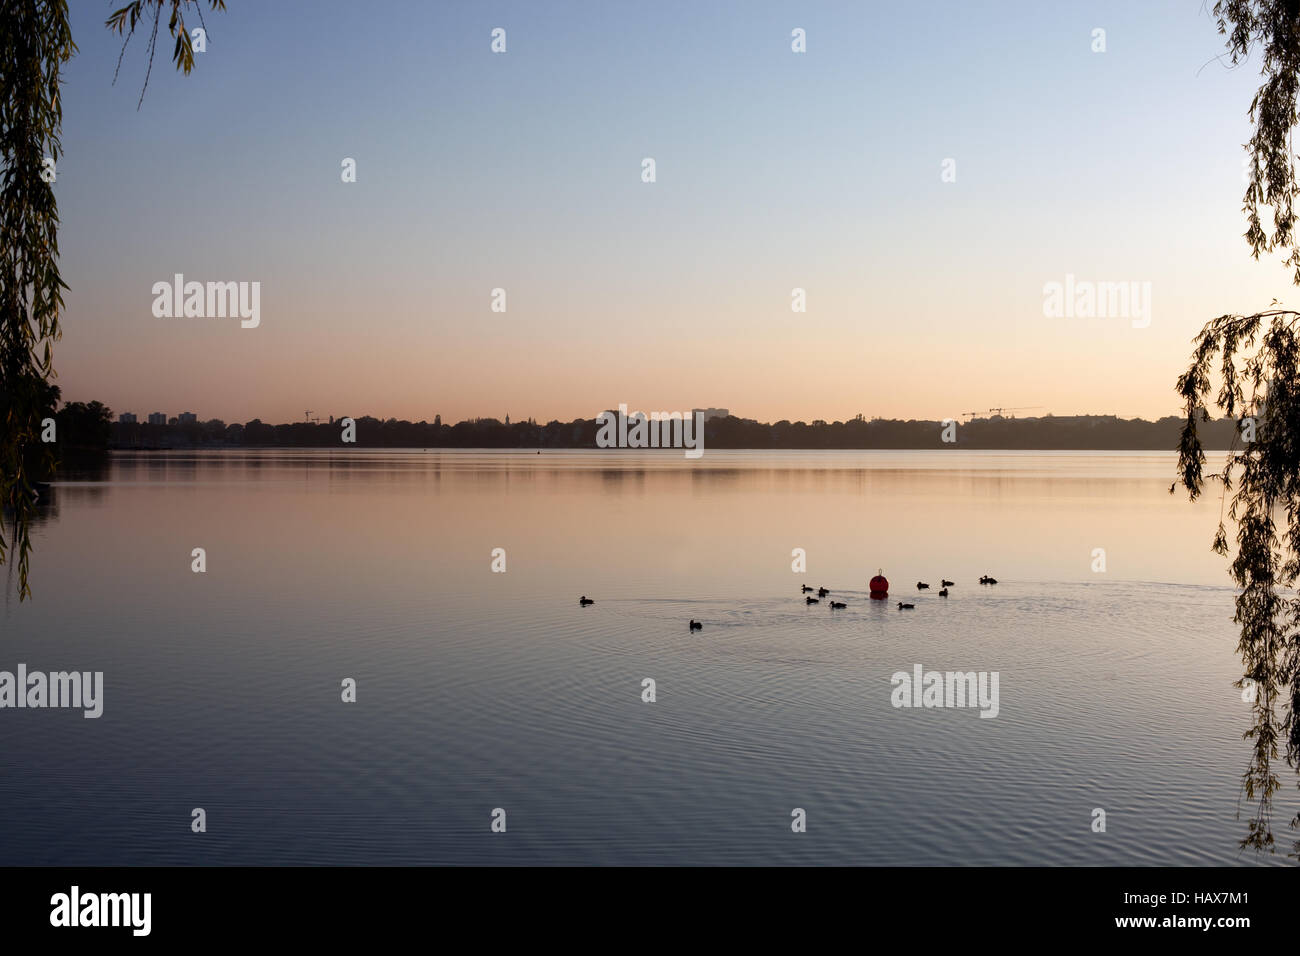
[(1049, 433), (666, 453)]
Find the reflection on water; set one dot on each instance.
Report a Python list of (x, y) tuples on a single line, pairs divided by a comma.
[(479, 690)]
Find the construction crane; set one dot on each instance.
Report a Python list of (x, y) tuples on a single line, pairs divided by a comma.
[(306, 416), (1018, 408), (970, 414)]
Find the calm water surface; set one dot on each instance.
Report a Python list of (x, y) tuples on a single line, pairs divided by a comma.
[(479, 690)]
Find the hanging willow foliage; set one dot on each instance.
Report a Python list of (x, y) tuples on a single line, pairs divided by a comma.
[(1256, 361), (1256, 356), (35, 41)]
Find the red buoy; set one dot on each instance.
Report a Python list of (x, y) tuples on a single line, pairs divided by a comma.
[(879, 587)]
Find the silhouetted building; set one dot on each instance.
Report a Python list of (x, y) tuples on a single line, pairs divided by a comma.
[(187, 418), (157, 418), (127, 418), (711, 412)]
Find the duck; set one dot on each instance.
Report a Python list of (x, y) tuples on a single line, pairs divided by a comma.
[(922, 586), (822, 592), (836, 605), (805, 589), (943, 593), (812, 601), (696, 625), (945, 583), (906, 607), (584, 600), (988, 580)]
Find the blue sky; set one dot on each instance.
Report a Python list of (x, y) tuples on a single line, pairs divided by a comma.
[(775, 170)]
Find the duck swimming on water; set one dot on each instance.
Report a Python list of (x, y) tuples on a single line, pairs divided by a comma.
[(943, 593), (922, 586), (906, 607), (812, 601), (805, 589), (837, 605), (584, 600), (696, 625), (945, 583)]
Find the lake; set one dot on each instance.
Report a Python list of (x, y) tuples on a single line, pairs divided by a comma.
[(479, 690)]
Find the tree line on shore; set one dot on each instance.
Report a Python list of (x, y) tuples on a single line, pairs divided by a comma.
[(1046, 433)]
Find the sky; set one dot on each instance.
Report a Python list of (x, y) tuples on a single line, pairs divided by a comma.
[(774, 170)]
